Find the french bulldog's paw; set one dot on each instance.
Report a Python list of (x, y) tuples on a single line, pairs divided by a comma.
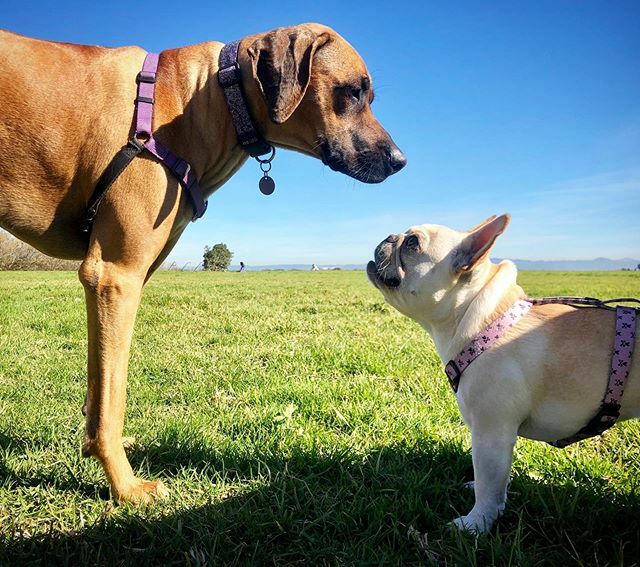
[(475, 524), (471, 485)]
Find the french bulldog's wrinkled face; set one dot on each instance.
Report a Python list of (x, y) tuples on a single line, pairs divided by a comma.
[(414, 269), (419, 270)]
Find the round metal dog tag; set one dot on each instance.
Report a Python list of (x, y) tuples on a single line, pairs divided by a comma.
[(267, 185)]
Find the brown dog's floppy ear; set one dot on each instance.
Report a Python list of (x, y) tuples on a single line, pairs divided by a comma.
[(281, 61), (478, 243)]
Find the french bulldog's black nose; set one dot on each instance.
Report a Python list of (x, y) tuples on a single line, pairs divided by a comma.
[(395, 157)]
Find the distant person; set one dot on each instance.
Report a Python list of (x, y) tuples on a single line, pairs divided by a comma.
[(314, 268), (241, 267)]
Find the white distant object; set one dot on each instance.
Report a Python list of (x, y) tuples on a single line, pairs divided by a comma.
[(314, 268)]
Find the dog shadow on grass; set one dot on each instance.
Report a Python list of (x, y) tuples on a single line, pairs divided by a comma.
[(341, 508), (39, 477)]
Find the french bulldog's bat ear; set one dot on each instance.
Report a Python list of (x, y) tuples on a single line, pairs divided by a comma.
[(485, 221), (480, 240), (281, 61)]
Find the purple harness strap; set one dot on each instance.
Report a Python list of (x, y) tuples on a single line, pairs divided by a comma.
[(620, 360), (620, 366), (484, 341), (178, 167)]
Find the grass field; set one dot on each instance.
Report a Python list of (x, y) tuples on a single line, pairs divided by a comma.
[(296, 419)]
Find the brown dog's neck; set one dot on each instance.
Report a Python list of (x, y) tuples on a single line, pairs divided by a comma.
[(192, 114), (494, 295)]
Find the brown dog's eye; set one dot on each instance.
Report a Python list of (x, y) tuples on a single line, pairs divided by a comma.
[(412, 242), (356, 93)]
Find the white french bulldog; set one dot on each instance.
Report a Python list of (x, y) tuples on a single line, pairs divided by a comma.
[(543, 379)]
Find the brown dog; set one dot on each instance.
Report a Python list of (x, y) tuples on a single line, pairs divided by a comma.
[(67, 109)]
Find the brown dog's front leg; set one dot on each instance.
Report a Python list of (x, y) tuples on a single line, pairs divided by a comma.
[(112, 294)]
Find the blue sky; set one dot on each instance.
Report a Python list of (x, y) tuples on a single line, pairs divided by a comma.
[(527, 107)]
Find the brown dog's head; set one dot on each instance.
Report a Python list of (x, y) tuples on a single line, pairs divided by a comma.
[(314, 95)]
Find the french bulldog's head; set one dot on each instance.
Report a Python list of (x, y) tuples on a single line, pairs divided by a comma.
[(428, 270)]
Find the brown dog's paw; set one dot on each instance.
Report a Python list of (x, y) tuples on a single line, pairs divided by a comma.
[(143, 492), (129, 443)]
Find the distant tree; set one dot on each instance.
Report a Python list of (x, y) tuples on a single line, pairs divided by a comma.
[(217, 258)]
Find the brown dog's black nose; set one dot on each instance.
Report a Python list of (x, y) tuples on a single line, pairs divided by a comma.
[(396, 158)]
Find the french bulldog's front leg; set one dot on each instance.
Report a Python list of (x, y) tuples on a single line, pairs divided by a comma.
[(492, 452)]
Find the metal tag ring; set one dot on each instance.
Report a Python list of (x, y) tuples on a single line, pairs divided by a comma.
[(270, 158), (265, 166)]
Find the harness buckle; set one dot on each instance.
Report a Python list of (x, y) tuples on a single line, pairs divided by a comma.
[(609, 410), (180, 168), (146, 77), (136, 144), (453, 373), (603, 420), (197, 215)]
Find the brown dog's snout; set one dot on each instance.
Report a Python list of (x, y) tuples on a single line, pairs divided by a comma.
[(370, 159), (397, 160)]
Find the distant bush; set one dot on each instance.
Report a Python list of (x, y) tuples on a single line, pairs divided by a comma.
[(16, 255), (217, 258)]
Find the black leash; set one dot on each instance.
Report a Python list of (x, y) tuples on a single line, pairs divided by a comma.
[(116, 166), (578, 302)]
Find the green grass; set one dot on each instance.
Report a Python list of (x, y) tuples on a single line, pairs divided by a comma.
[(295, 418)]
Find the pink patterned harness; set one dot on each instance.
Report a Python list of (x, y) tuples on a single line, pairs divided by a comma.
[(620, 359)]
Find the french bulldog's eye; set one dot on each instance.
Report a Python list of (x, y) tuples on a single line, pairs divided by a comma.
[(412, 242), (356, 93)]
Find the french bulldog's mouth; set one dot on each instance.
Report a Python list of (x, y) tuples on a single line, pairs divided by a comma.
[(380, 279)]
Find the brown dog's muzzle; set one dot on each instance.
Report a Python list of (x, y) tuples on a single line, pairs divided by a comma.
[(365, 161)]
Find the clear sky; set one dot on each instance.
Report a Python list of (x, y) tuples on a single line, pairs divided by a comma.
[(527, 107)]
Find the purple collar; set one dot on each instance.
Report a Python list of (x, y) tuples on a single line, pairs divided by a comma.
[(620, 360), (230, 79)]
